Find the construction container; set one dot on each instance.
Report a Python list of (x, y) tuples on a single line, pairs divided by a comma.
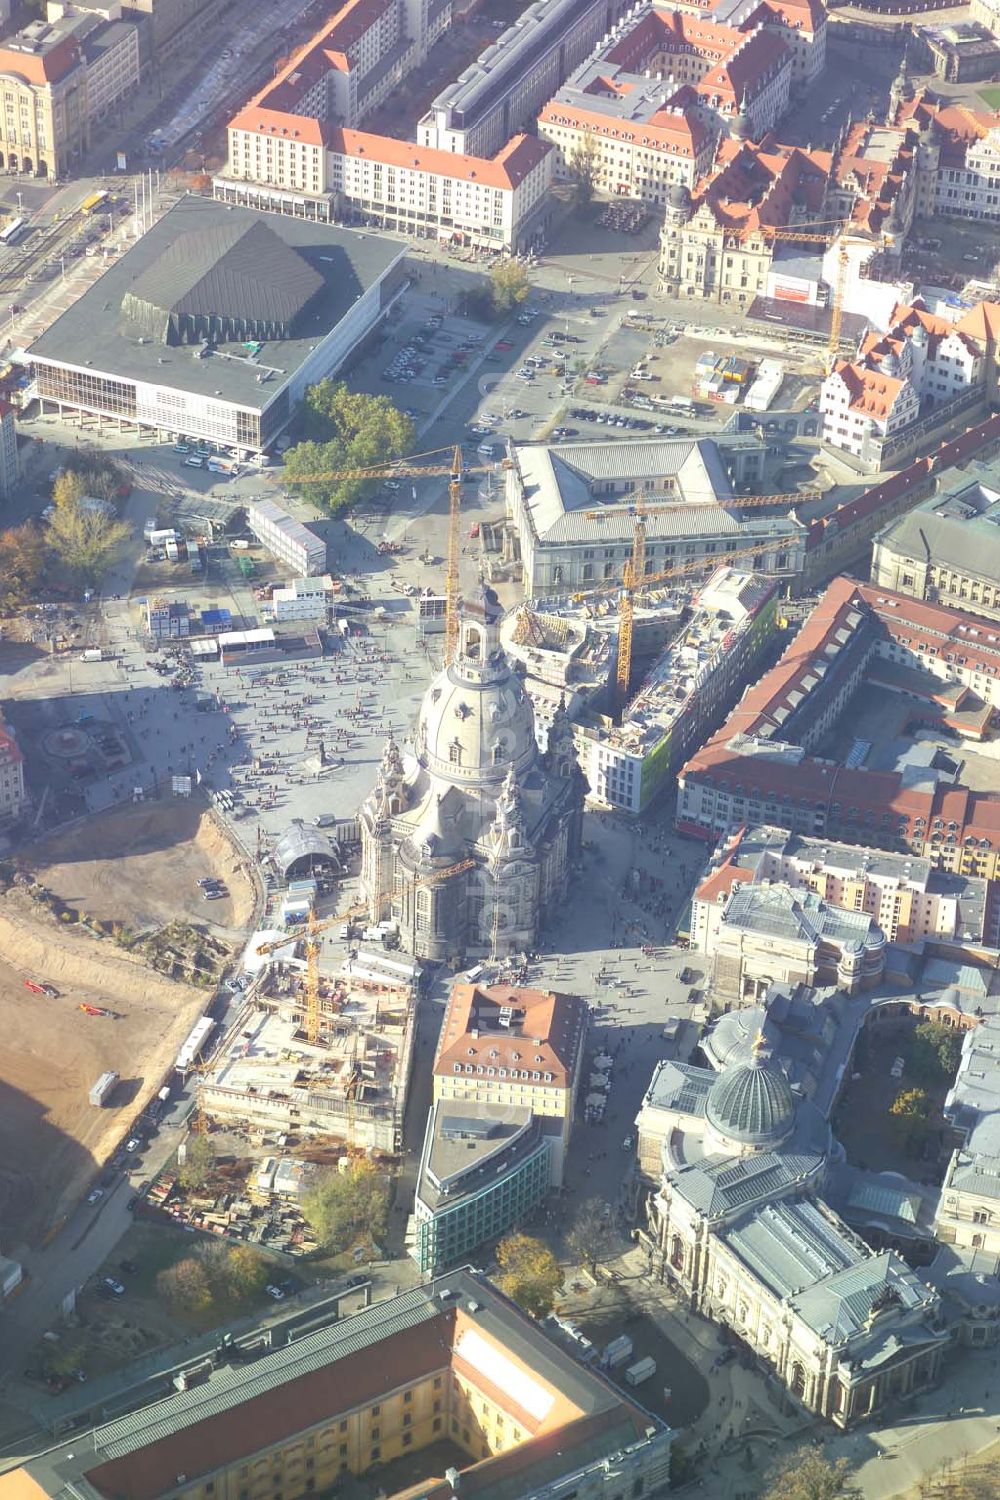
[(103, 1089)]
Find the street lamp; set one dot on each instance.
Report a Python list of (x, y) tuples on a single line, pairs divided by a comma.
[(19, 197)]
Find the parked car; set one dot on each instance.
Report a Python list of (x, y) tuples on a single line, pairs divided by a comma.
[(95, 1195), (114, 1286)]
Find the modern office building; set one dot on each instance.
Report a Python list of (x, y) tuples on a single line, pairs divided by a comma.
[(292, 542), (762, 766), (503, 1046), (451, 1364), (484, 1168), (944, 550), (213, 324), (572, 509)]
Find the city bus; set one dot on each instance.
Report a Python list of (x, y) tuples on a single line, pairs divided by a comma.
[(13, 231), (94, 203)]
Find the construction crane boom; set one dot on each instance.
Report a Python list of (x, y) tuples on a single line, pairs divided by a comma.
[(736, 502)]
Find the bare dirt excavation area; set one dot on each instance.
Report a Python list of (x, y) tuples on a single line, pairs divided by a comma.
[(132, 875)]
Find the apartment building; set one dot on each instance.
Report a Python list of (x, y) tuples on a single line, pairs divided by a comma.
[(945, 549), (761, 767), (302, 166), (718, 241), (501, 93), (684, 695), (909, 899), (503, 1046), (920, 364), (350, 64), (450, 1361)]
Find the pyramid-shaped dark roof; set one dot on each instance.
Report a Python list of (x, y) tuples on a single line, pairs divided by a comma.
[(237, 274)]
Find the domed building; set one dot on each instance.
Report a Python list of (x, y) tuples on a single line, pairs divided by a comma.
[(749, 1109), (738, 1222), (468, 840)]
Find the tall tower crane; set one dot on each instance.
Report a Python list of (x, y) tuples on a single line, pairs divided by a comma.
[(634, 573), (312, 931), (810, 236)]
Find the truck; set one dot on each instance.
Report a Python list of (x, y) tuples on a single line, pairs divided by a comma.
[(103, 1089), (93, 653), (640, 1371), (617, 1352)]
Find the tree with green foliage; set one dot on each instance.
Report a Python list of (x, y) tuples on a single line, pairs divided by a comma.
[(935, 1052), (529, 1273), (591, 1237), (582, 165), (86, 540), (807, 1475), (22, 558), (199, 1159), (350, 1208), (509, 286), (910, 1111), (345, 430)]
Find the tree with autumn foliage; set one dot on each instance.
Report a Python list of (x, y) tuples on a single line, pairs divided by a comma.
[(530, 1274)]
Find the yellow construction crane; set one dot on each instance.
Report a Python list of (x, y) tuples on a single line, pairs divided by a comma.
[(412, 468), (634, 573), (311, 932), (809, 236)]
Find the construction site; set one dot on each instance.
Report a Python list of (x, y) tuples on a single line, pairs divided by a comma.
[(313, 1054)]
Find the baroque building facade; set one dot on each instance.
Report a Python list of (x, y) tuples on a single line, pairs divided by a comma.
[(468, 840)]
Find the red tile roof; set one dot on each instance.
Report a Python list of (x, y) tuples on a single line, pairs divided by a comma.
[(544, 1039), (819, 784), (42, 67), (508, 169), (227, 1436), (678, 131), (872, 393)]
